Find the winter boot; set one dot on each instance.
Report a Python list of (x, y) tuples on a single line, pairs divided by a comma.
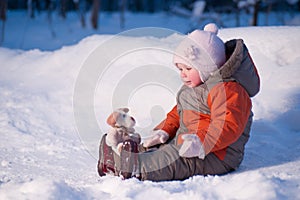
[(129, 159), (106, 163)]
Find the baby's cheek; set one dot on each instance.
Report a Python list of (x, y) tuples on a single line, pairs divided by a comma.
[(196, 80)]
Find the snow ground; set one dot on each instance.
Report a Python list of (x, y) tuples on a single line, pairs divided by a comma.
[(43, 156)]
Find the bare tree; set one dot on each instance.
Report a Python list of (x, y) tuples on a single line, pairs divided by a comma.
[(95, 13), (50, 7), (255, 13), (32, 7), (269, 6), (80, 6), (251, 6), (3, 7), (122, 12), (63, 8)]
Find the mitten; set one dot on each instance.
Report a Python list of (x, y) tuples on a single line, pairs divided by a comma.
[(158, 137), (191, 147)]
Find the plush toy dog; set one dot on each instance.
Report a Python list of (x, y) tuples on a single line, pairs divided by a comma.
[(121, 129)]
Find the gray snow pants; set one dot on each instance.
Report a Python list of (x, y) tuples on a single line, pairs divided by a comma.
[(165, 164)]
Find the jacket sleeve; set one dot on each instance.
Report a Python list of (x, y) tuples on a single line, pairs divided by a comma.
[(230, 107), (170, 124)]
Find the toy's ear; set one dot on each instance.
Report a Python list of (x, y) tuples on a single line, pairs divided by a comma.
[(126, 110), (111, 120)]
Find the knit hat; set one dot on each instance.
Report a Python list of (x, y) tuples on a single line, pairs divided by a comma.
[(202, 50)]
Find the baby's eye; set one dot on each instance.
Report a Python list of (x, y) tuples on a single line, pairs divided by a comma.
[(123, 115), (188, 68)]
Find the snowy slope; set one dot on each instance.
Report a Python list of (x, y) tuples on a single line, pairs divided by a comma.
[(43, 156)]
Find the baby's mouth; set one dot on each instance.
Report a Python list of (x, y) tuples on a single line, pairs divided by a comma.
[(187, 82)]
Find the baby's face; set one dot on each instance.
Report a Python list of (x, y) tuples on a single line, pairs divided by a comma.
[(189, 75)]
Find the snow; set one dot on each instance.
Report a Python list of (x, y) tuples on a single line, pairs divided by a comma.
[(44, 154)]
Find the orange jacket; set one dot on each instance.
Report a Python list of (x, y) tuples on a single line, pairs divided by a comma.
[(222, 127)]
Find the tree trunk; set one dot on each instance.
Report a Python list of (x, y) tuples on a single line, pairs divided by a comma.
[(63, 8), (50, 7), (95, 13), (255, 14), (122, 13), (3, 8), (81, 8), (30, 8)]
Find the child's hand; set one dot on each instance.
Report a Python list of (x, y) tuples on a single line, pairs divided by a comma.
[(191, 147), (158, 137)]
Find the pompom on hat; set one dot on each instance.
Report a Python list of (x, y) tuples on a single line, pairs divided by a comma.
[(202, 50)]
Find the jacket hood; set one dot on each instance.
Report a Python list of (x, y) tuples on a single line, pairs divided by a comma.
[(234, 53), (238, 67)]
